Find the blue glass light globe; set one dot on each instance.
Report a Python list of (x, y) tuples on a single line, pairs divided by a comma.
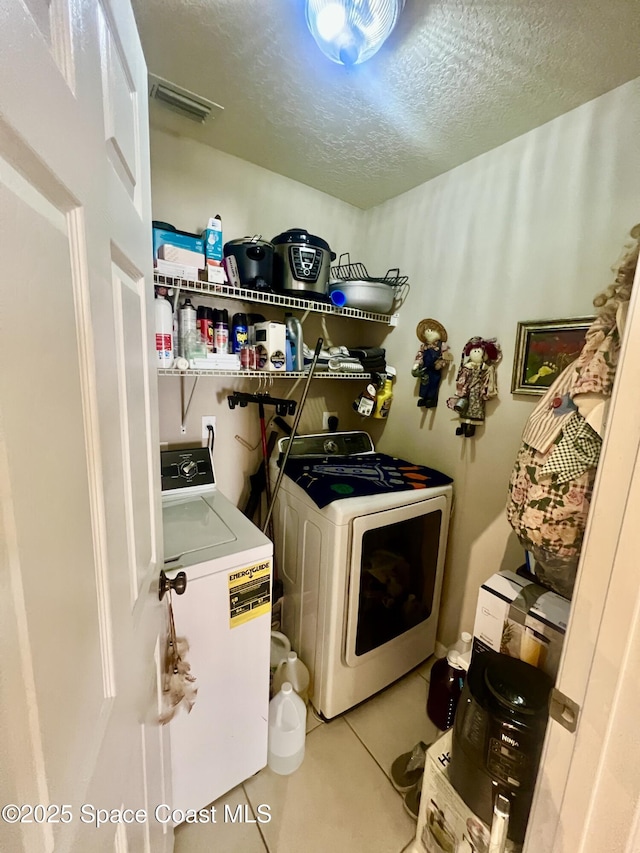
[(351, 31)]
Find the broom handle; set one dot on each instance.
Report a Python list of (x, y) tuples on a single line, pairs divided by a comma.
[(294, 428)]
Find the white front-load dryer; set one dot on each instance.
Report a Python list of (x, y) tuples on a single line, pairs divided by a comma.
[(362, 578)]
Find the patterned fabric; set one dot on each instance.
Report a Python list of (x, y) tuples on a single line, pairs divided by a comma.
[(593, 372), (552, 481), (333, 477), (476, 384), (577, 450), (549, 517), (544, 425), (595, 368)]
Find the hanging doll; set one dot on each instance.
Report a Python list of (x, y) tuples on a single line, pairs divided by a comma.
[(431, 360), (476, 383), (552, 481)]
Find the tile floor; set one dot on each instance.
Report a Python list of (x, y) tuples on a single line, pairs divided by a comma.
[(340, 800)]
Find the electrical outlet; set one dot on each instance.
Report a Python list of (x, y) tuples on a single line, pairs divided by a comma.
[(325, 418), (207, 421)]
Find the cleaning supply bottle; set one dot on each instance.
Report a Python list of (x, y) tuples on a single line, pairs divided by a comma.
[(294, 335), (221, 330), (239, 332), (204, 320), (292, 669), (365, 404), (287, 731), (280, 648), (187, 325), (445, 686), (164, 332), (385, 395)]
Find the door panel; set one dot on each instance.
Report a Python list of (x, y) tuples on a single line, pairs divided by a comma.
[(120, 105), (131, 342), (79, 614), (582, 791)]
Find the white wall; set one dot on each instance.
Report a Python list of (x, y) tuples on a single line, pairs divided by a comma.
[(192, 182), (528, 231)]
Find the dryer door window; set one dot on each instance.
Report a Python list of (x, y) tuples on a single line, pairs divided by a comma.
[(395, 562)]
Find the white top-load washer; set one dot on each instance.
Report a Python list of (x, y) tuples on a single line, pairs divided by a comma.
[(362, 575), (225, 615)]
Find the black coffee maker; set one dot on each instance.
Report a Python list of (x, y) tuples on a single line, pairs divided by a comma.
[(498, 733)]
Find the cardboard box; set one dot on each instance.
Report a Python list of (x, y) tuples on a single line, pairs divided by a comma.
[(214, 274), (212, 240), (176, 270), (445, 823), (174, 241), (521, 619)]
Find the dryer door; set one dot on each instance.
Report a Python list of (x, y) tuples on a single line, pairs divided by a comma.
[(395, 577)]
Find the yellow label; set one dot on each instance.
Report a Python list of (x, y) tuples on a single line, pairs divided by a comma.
[(249, 593)]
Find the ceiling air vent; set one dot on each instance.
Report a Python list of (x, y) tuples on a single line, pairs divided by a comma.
[(181, 100)]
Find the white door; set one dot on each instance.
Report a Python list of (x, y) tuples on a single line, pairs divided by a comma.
[(588, 793), (79, 615)]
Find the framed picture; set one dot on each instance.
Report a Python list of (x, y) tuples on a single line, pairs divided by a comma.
[(543, 349)]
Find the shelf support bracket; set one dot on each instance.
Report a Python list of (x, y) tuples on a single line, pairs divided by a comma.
[(185, 409)]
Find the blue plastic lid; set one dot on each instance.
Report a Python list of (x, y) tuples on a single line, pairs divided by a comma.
[(338, 298)]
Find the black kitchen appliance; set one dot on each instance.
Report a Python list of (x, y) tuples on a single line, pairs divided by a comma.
[(254, 257), (301, 264), (497, 736)]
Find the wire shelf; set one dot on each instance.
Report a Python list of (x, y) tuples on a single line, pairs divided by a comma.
[(263, 374), (246, 295)]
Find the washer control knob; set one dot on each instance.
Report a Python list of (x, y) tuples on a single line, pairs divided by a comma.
[(188, 468), (330, 446)]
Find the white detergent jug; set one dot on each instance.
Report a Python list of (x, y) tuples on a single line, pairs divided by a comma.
[(280, 648), (292, 669), (287, 730)]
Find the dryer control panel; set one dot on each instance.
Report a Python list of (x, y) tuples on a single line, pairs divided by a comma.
[(182, 469), (354, 443)]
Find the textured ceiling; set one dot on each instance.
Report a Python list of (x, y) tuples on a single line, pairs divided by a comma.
[(455, 79)]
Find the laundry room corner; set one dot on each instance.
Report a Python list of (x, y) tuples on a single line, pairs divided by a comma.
[(528, 229)]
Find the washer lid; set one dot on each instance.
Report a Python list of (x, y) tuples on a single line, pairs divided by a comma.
[(191, 524)]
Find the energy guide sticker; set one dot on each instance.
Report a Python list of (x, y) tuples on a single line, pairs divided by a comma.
[(249, 593)]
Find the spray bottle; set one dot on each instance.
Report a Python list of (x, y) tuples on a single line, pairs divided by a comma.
[(294, 336), (384, 396)]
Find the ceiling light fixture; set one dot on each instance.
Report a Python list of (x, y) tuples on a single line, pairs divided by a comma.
[(351, 31)]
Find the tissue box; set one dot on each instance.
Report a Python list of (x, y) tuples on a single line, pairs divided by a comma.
[(521, 619), (178, 247), (445, 821)]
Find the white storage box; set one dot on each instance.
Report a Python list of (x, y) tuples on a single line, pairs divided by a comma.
[(521, 619), (445, 823), (176, 270)]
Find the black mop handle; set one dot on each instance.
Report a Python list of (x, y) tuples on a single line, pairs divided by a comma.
[(294, 428)]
